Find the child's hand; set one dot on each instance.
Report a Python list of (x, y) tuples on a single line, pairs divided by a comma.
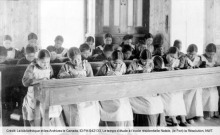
[(73, 72), (104, 61), (146, 71), (59, 56)]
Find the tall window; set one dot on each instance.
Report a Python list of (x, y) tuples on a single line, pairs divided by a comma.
[(187, 23), (62, 17)]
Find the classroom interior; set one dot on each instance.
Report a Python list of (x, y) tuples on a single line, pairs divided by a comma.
[(191, 21)]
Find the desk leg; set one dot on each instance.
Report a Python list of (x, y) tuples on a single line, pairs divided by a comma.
[(45, 110)]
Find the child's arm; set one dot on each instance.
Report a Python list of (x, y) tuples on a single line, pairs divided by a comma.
[(64, 72), (89, 71), (182, 62), (124, 68), (28, 77), (36, 81), (51, 72), (102, 71), (149, 68), (62, 55), (217, 62), (131, 69)]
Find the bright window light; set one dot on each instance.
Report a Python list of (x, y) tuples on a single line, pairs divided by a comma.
[(62, 17), (187, 23)]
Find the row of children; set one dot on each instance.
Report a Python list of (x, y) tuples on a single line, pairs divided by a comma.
[(59, 54), (148, 111), (11, 55)]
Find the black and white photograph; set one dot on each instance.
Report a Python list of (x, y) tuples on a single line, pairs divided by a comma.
[(109, 67)]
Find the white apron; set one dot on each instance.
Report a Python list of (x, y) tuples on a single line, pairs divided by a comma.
[(210, 95), (119, 109), (149, 105), (193, 98), (85, 114), (173, 104), (30, 102), (193, 102)]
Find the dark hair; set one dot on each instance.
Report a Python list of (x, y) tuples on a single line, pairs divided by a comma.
[(108, 48), (107, 35), (3, 51), (173, 50), (148, 35), (32, 36), (192, 48), (43, 54), (90, 39), (30, 49), (158, 39), (211, 48), (158, 62), (98, 51), (141, 42), (117, 55), (157, 46), (177, 44), (84, 47), (73, 51), (145, 54), (59, 38), (127, 37), (126, 48), (7, 37)]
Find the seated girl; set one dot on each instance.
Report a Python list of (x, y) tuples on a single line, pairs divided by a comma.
[(173, 102), (193, 98), (36, 72), (127, 52), (105, 55), (85, 114), (148, 110), (210, 95), (181, 55), (148, 39), (116, 112)]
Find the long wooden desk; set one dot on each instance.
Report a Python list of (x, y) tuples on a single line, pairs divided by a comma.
[(70, 91)]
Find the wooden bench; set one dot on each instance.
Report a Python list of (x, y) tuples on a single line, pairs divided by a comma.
[(71, 91)]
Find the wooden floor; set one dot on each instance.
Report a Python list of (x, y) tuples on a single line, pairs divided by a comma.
[(206, 123), (211, 122), (215, 122)]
